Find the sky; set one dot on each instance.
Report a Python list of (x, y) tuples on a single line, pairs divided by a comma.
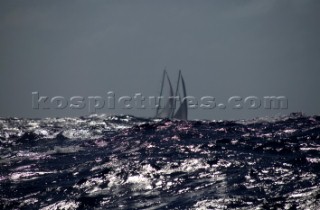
[(224, 48)]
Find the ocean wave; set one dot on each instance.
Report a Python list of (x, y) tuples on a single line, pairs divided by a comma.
[(125, 162)]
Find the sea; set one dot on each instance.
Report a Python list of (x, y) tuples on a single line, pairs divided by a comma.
[(127, 162)]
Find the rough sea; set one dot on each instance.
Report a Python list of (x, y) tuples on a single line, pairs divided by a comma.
[(124, 162)]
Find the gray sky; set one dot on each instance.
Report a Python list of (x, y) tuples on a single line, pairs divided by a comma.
[(224, 48)]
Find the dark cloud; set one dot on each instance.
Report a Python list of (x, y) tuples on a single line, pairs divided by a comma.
[(224, 48)]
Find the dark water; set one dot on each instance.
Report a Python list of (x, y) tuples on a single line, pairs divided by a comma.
[(123, 162)]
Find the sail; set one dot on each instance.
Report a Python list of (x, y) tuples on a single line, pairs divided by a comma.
[(168, 110), (177, 95), (165, 111), (182, 112)]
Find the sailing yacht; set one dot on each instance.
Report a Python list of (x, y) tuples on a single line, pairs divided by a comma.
[(169, 109)]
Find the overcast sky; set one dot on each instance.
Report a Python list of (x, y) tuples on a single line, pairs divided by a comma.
[(224, 48)]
